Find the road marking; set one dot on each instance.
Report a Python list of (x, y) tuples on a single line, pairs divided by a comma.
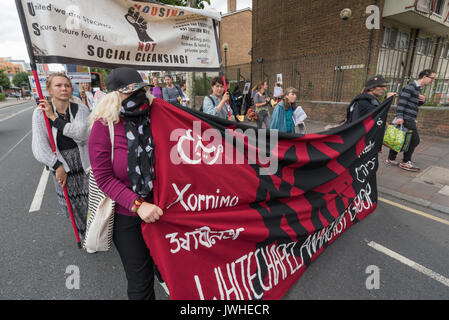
[(17, 113), (15, 146), (423, 214), (39, 195), (416, 266)]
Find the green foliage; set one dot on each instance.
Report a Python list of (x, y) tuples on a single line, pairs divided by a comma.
[(201, 87), (4, 80), (104, 74), (432, 104), (2, 97), (199, 4), (21, 80)]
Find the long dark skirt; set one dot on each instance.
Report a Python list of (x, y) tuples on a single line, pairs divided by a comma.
[(77, 189)]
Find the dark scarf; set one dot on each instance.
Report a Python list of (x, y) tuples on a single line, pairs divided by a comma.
[(136, 112)]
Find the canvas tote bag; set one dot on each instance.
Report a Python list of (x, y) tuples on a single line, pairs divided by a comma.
[(100, 215)]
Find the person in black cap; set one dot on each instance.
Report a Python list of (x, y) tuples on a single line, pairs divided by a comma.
[(128, 180), (365, 103)]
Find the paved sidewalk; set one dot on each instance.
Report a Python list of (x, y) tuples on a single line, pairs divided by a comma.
[(9, 102), (429, 187)]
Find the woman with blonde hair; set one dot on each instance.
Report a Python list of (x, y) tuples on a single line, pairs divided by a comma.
[(128, 179), (69, 165), (282, 118)]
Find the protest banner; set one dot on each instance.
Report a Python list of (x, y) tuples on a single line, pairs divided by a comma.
[(109, 34), (246, 211)]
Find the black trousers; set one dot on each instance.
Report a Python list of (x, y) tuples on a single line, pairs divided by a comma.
[(263, 117), (135, 256), (414, 142)]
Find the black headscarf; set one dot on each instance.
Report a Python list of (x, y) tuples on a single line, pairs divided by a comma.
[(136, 112)]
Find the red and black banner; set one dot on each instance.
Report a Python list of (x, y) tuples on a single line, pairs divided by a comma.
[(247, 211)]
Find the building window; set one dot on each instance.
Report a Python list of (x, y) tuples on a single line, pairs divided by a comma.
[(431, 6), (402, 41), (439, 6), (425, 46), (386, 37), (394, 39), (390, 38), (445, 51), (442, 87)]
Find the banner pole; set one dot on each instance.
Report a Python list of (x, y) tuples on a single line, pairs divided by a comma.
[(222, 74), (41, 97)]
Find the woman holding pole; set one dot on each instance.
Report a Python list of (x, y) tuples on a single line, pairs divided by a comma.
[(70, 162)]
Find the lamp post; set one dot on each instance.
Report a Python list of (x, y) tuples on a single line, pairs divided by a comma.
[(260, 60), (225, 49), (345, 14)]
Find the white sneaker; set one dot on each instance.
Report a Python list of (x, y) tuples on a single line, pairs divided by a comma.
[(409, 166)]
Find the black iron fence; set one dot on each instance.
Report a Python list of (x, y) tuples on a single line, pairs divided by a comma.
[(339, 75), (401, 62)]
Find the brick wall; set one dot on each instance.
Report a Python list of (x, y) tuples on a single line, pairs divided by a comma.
[(433, 121), (236, 31), (302, 40)]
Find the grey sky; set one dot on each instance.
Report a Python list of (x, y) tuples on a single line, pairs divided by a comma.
[(221, 5), (12, 43)]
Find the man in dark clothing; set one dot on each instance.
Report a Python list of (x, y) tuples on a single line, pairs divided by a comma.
[(366, 102), (410, 100)]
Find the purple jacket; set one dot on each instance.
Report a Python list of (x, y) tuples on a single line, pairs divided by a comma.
[(157, 92), (112, 178)]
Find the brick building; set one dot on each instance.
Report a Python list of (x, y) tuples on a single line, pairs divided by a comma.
[(236, 35), (11, 67), (329, 58)]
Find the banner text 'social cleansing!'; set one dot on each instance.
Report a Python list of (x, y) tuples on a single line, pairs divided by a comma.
[(114, 54)]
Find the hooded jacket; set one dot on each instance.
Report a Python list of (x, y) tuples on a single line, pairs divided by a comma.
[(361, 106)]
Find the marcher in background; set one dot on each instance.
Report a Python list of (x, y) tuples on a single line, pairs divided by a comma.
[(70, 132), (87, 96), (262, 104), (216, 102), (156, 90), (185, 102), (129, 179), (172, 93), (237, 99), (247, 102), (255, 89), (278, 92), (282, 118), (410, 100), (98, 96), (365, 103)]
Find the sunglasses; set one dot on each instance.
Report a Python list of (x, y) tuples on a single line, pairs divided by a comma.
[(382, 86)]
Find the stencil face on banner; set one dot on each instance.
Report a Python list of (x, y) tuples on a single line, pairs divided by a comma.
[(122, 32)]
